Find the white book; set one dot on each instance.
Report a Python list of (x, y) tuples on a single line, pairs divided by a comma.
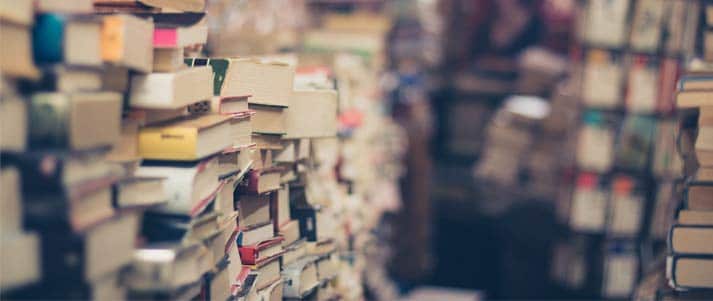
[(267, 83), (171, 90), (190, 186)]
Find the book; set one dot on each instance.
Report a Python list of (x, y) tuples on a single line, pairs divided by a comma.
[(191, 186), (695, 217), (180, 5), (691, 239), (91, 254), (697, 196), (241, 129), (300, 277), (72, 41), (635, 142), (595, 144), (290, 231), (168, 59), (115, 78), (218, 285), (13, 115), (254, 209), (139, 191), (67, 7), (282, 205), (230, 104), (626, 208), (603, 78), (76, 212), (294, 251), (641, 92), (268, 119), (326, 268), (695, 82), (155, 116), (127, 41), (646, 25), (267, 141), (254, 234), (20, 263), (689, 272), (17, 60), (268, 272), (170, 90), (179, 30), (261, 252), (273, 292), (260, 181), (151, 263), (606, 23), (60, 78), (62, 173), (693, 98), (312, 114), (17, 12), (589, 204), (11, 201), (75, 121), (187, 139), (621, 267), (244, 77)]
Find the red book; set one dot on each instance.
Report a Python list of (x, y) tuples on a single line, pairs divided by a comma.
[(262, 251)]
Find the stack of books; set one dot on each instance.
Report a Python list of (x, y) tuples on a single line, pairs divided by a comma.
[(183, 129), (690, 256), (55, 163), (624, 170), (139, 168)]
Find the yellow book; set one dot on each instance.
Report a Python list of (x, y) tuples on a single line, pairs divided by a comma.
[(187, 139)]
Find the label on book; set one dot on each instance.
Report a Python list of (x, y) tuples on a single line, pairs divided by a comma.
[(168, 143)]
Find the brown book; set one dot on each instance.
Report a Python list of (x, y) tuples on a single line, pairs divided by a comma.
[(268, 119), (694, 98), (699, 197), (254, 209), (13, 115), (76, 121), (691, 239), (16, 59), (267, 141), (695, 217), (690, 272)]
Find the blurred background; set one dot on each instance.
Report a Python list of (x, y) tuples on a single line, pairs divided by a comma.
[(525, 121), (539, 160)]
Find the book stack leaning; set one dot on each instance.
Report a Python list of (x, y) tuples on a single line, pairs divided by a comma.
[(60, 120)]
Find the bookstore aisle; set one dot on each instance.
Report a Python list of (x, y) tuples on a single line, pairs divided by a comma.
[(356, 150), (194, 150)]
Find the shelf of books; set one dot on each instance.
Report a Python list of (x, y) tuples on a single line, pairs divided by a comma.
[(625, 169), (135, 165)]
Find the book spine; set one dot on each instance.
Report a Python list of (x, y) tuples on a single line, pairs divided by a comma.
[(165, 38), (112, 38), (48, 38), (50, 121)]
